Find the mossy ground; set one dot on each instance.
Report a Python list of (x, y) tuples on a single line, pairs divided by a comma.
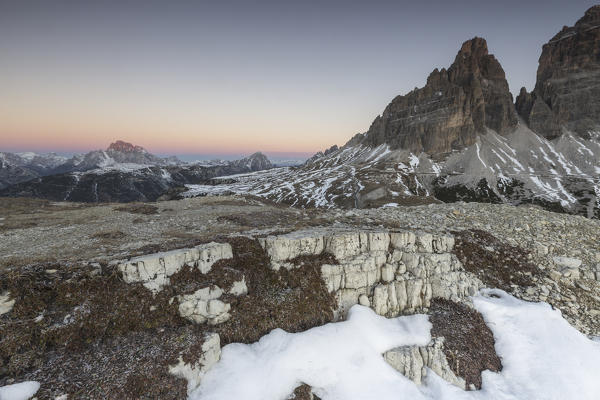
[(497, 264), (81, 330), (468, 342)]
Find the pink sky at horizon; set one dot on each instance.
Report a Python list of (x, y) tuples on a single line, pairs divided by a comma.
[(167, 143)]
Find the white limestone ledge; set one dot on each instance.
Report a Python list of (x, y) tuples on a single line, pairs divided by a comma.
[(204, 305), (154, 270), (392, 272)]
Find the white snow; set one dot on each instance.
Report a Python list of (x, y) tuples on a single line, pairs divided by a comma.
[(479, 156), (19, 391), (543, 358), (343, 360), (27, 156), (414, 161)]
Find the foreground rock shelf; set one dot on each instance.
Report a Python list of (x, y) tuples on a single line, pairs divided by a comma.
[(183, 305)]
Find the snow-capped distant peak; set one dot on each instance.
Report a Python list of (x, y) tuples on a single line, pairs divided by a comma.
[(125, 147)]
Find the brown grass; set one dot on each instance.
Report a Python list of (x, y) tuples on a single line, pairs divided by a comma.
[(468, 342), (109, 235), (293, 300), (497, 264), (138, 208)]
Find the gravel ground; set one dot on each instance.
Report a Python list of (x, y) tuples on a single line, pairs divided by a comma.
[(66, 231)]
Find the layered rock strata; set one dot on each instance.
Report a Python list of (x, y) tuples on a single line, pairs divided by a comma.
[(393, 272), (413, 362)]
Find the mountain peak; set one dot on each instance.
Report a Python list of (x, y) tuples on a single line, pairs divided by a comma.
[(454, 106), (476, 46), (591, 15), (566, 93), (125, 147)]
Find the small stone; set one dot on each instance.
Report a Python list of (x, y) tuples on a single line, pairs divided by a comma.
[(6, 304), (363, 300), (582, 286), (567, 262), (239, 288)]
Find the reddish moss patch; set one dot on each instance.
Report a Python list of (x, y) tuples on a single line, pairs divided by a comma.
[(468, 342), (495, 263), (81, 330)]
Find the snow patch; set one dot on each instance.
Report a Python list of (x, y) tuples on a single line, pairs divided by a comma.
[(19, 391), (543, 358)]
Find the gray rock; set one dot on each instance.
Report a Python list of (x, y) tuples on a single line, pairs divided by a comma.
[(6, 304), (154, 270)]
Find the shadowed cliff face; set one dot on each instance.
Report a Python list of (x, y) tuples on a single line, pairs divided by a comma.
[(567, 90), (454, 106)]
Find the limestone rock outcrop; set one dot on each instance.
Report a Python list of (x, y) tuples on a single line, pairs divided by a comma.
[(154, 270), (567, 90), (454, 106), (413, 362), (393, 272), (204, 305)]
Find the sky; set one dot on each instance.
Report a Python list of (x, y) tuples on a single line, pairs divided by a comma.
[(234, 77)]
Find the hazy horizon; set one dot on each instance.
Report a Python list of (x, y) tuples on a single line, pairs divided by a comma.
[(233, 78), (273, 156)]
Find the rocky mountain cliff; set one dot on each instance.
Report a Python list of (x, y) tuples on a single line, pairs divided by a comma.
[(455, 106), (20, 167), (567, 92), (460, 138)]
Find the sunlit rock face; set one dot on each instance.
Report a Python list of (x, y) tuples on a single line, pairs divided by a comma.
[(567, 89)]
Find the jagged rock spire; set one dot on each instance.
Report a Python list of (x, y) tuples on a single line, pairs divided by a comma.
[(454, 107), (567, 90)]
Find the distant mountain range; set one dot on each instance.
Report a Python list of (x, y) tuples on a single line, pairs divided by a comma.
[(121, 173), (461, 137)]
